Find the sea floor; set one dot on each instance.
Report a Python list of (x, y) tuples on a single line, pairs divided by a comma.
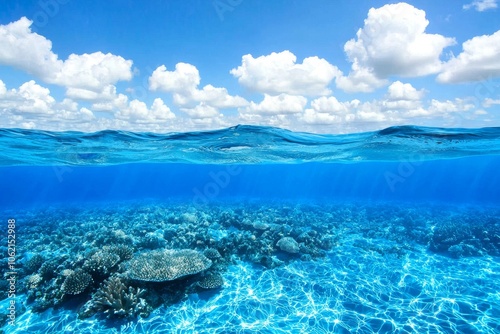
[(361, 268)]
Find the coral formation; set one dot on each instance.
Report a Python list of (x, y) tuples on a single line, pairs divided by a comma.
[(115, 299), (166, 265), (212, 281), (462, 238), (289, 245), (212, 253), (96, 253), (123, 251), (76, 282), (34, 263), (101, 262), (33, 281), (48, 270)]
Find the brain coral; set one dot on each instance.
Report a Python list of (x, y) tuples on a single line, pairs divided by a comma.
[(166, 265)]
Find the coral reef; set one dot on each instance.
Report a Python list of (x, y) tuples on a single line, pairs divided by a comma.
[(48, 270), (34, 263), (129, 260), (166, 265), (76, 282), (460, 237), (212, 253), (212, 281), (289, 245), (33, 281), (104, 261), (115, 299)]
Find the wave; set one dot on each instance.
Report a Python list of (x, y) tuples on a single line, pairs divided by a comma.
[(242, 144)]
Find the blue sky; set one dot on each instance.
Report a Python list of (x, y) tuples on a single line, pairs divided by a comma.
[(319, 66)]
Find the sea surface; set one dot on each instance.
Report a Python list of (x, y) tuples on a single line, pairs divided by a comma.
[(250, 230)]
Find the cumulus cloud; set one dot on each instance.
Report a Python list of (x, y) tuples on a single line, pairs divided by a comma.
[(449, 106), (329, 104), (403, 91), (29, 98), (106, 93), (481, 5), (183, 83), (32, 106), (393, 41), (479, 60), (202, 111), (32, 53), (135, 110), (92, 71), (402, 104), (3, 88), (328, 111), (280, 73), (277, 105)]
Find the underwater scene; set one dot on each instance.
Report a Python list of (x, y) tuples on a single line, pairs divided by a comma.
[(251, 229)]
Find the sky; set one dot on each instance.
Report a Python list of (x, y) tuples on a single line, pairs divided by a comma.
[(186, 65)]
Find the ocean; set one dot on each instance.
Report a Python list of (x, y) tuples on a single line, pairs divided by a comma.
[(250, 230)]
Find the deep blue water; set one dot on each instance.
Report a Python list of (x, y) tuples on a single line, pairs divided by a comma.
[(473, 179), (398, 230)]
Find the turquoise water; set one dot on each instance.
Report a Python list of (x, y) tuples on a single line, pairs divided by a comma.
[(394, 231)]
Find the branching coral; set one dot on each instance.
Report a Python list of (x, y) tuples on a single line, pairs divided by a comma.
[(76, 282), (117, 300)]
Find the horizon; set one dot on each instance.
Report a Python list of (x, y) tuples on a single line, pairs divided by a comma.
[(210, 65)]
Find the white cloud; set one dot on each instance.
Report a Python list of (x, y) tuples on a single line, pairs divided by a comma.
[(26, 50), (403, 91), (92, 71), (30, 52), (279, 73), (106, 93), (185, 78), (479, 60), (277, 105), (116, 102), (481, 5), (32, 106), (29, 98), (360, 79), (202, 111), (183, 84), (449, 106), (393, 41), (137, 111), (488, 102), (402, 104), (314, 117), (3, 89), (329, 104)]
